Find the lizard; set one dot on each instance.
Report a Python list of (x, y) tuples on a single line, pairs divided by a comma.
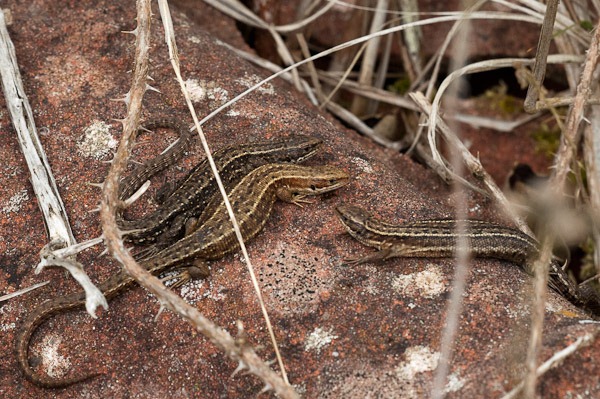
[(131, 183), (437, 238), (252, 199), (166, 224)]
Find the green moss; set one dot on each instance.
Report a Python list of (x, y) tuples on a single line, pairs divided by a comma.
[(547, 139), (499, 100), (400, 86), (587, 25)]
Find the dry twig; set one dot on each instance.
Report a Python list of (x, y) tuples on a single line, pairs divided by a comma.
[(236, 350), (42, 179), (555, 361), (539, 68), (565, 157), (173, 56)]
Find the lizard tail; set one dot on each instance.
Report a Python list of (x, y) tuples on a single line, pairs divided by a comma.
[(32, 322)]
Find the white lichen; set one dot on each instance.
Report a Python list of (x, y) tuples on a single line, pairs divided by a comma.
[(96, 141), (202, 90), (418, 359), (251, 80), (364, 165), (55, 364), (318, 339), (14, 202), (428, 283)]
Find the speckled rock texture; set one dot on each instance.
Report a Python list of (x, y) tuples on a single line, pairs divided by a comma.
[(345, 332)]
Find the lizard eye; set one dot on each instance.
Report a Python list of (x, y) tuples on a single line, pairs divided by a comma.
[(313, 187)]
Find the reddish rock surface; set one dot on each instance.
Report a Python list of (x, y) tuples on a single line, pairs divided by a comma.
[(344, 331)]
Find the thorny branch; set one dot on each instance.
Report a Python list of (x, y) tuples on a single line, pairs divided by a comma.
[(174, 57), (239, 352)]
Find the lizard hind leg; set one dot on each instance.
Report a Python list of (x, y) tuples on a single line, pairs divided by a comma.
[(195, 271), (373, 257)]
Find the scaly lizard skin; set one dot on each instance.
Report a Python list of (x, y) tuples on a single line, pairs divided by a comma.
[(195, 190), (252, 200), (438, 238), (141, 173)]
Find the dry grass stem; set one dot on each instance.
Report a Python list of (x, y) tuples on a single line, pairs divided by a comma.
[(42, 179), (537, 10), (505, 126), (369, 59), (21, 114), (570, 137), (591, 157), (555, 361), (466, 16), (462, 265), (539, 67), (482, 66), (360, 40), (564, 159), (237, 351), (360, 126), (370, 92), (551, 103), (540, 269), (22, 291), (312, 70), (472, 163), (241, 13), (382, 72), (170, 38), (348, 70), (334, 108), (412, 37)]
